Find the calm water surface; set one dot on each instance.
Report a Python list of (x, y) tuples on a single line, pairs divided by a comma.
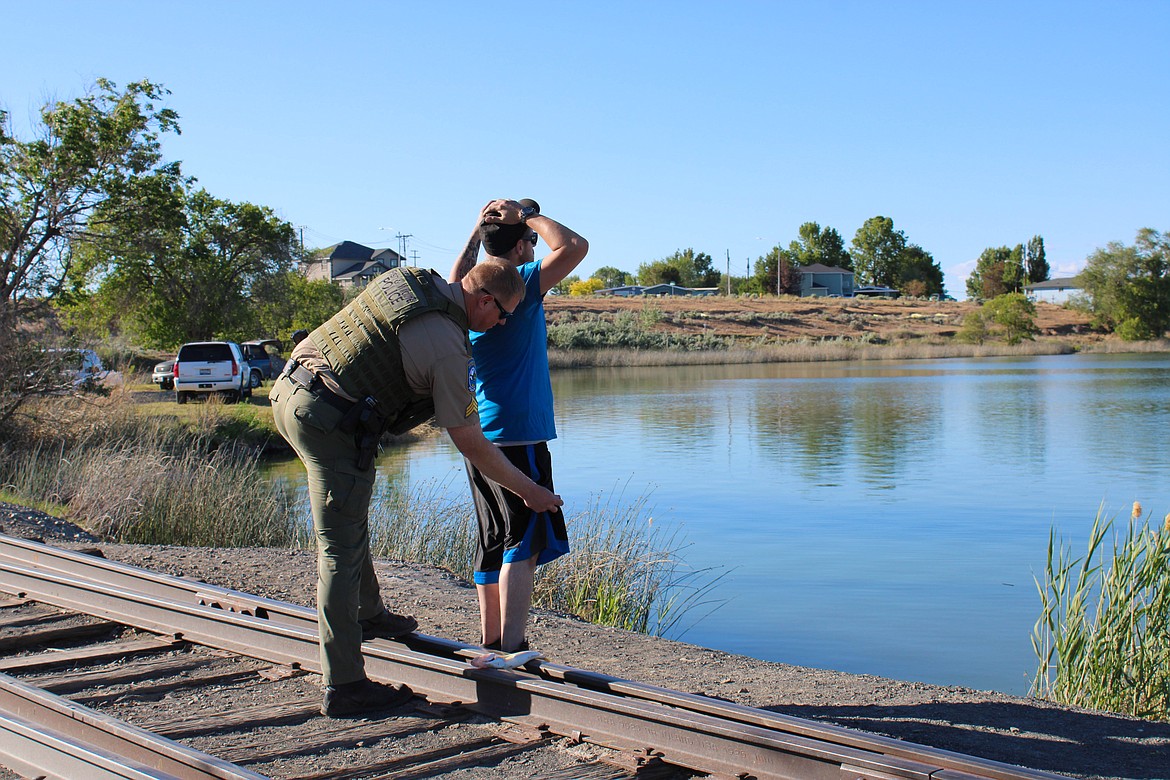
[(875, 517)]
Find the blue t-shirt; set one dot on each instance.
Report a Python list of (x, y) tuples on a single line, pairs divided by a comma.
[(511, 364)]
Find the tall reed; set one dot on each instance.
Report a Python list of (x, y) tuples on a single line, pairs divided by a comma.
[(1103, 636), (140, 480), (623, 570)]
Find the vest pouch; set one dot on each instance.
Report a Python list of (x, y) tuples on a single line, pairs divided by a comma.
[(415, 413)]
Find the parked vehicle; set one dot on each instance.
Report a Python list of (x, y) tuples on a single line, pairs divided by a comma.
[(211, 367), (83, 369), (264, 362), (164, 375)]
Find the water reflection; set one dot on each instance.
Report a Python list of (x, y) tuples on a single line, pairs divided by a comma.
[(879, 517)]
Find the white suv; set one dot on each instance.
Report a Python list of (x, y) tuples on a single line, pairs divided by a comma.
[(211, 367)]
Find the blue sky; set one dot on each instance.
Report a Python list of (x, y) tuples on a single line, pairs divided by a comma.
[(647, 126)]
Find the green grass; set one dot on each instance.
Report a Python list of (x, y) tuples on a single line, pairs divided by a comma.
[(1103, 636)]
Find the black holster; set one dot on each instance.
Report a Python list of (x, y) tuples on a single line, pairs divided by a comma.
[(365, 423)]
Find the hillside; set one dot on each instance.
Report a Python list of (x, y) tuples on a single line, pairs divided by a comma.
[(792, 319)]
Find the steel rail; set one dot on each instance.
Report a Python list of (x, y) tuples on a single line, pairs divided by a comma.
[(168, 586), (689, 730), (47, 736)]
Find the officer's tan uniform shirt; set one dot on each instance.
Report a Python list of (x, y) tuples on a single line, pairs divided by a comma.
[(434, 357)]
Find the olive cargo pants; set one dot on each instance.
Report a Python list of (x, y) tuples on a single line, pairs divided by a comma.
[(339, 494)]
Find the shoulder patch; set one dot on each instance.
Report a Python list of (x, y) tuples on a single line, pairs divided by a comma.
[(471, 376)]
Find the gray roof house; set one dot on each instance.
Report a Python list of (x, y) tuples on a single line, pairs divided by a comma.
[(350, 263), (818, 280), (1053, 290)]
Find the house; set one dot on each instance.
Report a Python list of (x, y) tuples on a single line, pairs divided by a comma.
[(625, 291), (1054, 290), (818, 280), (351, 264), (666, 288)]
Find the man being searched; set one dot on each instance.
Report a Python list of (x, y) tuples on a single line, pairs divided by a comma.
[(516, 412), (393, 358)]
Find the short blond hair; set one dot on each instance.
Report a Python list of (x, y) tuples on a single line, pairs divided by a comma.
[(497, 278)]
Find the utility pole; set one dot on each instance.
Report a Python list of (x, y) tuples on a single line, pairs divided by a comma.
[(402, 240), (414, 258), (728, 251)]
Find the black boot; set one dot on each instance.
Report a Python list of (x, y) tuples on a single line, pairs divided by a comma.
[(362, 696)]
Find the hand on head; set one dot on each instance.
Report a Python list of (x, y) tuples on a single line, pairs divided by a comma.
[(500, 211)]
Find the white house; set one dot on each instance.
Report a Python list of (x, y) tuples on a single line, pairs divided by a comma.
[(1054, 290)]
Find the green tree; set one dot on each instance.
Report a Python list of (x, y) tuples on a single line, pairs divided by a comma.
[(920, 275), (191, 273), (1129, 286), (776, 273), (286, 301), (1035, 263), (987, 280), (562, 287), (817, 245), (685, 267), (85, 157), (877, 252), (658, 272), (612, 277), (1015, 314)]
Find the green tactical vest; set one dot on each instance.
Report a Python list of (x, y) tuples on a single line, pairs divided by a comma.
[(360, 343)]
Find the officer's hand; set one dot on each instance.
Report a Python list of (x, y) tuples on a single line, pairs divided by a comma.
[(542, 500)]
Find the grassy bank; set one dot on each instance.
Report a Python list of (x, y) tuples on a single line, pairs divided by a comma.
[(144, 478)]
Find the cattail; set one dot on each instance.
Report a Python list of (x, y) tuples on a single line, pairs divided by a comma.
[(1168, 523), (1137, 510)]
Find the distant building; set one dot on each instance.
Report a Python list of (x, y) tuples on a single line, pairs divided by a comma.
[(818, 280), (666, 288), (1054, 290), (350, 264)]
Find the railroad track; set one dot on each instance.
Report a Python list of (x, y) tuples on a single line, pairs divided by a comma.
[(237, 640)]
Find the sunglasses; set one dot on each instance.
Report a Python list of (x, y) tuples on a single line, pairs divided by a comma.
[(532, 238), (504, 313)]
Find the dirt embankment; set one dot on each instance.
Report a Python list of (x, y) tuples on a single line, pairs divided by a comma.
[(789, 318)]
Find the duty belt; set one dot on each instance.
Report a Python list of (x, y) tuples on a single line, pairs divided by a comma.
[(361, 418), (312, 382)]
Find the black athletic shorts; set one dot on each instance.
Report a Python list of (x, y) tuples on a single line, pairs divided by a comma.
[(508, 530)]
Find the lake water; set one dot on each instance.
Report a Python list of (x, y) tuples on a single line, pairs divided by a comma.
[(873, 517)]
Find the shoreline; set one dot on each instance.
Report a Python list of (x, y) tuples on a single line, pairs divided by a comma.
[(1016, 730)]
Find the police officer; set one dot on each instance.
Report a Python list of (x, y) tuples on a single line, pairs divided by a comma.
[(393, 358)]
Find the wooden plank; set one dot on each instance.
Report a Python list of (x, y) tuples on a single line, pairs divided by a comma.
[(194, 724), (84, 655), (429, 761), (163, 687), (31, 617), (7, 602), (432, 764), (341, 735), (50, 636)]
